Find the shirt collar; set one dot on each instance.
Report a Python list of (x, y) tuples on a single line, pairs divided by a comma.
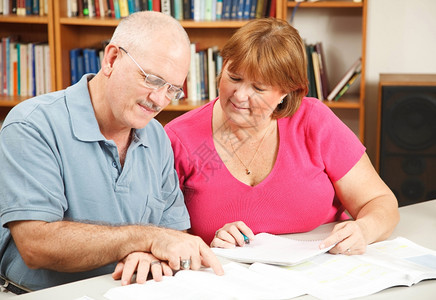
[(82, 117)]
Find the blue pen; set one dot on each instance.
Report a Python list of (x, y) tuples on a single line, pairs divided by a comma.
[(246, 239)]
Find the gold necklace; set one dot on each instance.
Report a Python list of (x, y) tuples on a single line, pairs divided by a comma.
[(247, 168)]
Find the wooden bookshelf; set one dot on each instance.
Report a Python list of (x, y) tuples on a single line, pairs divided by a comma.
[(341, 27), (28, 29), (90, 32), (64, 33)]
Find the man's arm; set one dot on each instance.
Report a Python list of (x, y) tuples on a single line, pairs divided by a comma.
[(73, 247)]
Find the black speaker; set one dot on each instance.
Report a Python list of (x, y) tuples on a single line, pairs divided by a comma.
[(407, 136)]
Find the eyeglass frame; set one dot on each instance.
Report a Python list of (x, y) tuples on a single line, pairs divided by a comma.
[(177, 92)]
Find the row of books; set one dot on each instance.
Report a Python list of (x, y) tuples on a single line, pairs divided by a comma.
[(316, 71), (318, 79), (24, 68), (352, 74), (324, 0), (198, 10), (83, 61), (24, 7), (201, 83)]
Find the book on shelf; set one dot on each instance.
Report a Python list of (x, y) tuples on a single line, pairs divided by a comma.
[(97, 11), (166, 7), (72, 8), (103, 7), (317, 76), (131, 6), (47, 69), (110, 12), (212, 53), (310, 71), (31, 70), (1, 68), (23, 68), (177, 9), (39, 69), (13, 64), (322, 69), (156, 5), (345, 78), (116, 13), (187, 9), (348, 84), (91, 8), (191, 79), (124, 8)]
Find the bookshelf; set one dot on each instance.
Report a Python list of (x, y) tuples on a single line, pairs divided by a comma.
[(72, 32), (341, 27), (343, 33), (28, 29)]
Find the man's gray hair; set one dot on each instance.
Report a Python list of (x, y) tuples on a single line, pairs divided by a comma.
[(140, 25)]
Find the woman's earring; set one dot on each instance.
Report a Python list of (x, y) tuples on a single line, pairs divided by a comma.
[(281, 102)]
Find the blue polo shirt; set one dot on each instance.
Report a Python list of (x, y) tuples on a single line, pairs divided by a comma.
[(56, 165)]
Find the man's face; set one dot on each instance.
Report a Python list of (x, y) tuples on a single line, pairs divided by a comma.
[(132, 101)]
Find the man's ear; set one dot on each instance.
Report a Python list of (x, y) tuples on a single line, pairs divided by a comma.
[(111, 53)]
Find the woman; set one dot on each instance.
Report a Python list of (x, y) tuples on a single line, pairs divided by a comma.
[(264, 158)]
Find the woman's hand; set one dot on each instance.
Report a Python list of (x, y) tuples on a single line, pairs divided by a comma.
[(142, 263), (231, 235), (348, 237)]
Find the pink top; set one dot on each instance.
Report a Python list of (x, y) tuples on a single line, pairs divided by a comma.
[(315, 149)]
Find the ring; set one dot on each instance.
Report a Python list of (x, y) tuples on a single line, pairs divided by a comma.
[(185, 264), (216, 233), (155, 262), (348, 250)]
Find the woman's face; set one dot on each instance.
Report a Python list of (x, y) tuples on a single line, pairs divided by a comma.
[(245, 101)]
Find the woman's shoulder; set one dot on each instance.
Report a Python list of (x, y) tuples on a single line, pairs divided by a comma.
[(194, 123), (310, 109), (199, 114)]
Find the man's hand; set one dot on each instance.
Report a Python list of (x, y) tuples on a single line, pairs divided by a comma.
[(143, 264), (174, 246)]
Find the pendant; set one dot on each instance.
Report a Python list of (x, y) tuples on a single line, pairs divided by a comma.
[(247, 171)]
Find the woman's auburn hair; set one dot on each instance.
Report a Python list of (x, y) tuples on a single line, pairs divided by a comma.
[(270, 51)]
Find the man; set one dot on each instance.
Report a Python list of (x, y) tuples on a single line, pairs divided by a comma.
[(86, 171)]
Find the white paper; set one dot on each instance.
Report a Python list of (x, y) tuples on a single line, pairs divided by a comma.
[(238, 282), (273, 249)]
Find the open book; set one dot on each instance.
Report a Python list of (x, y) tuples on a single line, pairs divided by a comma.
[(273, 249), (397, 262)]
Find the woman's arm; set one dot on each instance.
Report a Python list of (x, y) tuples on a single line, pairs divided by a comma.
[(372, 205)]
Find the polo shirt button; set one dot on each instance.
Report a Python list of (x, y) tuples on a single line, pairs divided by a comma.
[(114, 164)]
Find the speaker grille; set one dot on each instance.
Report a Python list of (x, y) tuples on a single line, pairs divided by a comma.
[(408, 142)]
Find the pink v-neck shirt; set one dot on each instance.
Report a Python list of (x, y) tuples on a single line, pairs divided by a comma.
[(315, 149)]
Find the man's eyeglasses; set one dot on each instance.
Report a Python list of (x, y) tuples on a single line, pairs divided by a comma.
[(154, 82)]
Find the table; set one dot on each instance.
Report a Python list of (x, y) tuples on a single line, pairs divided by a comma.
[(417, 223)]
